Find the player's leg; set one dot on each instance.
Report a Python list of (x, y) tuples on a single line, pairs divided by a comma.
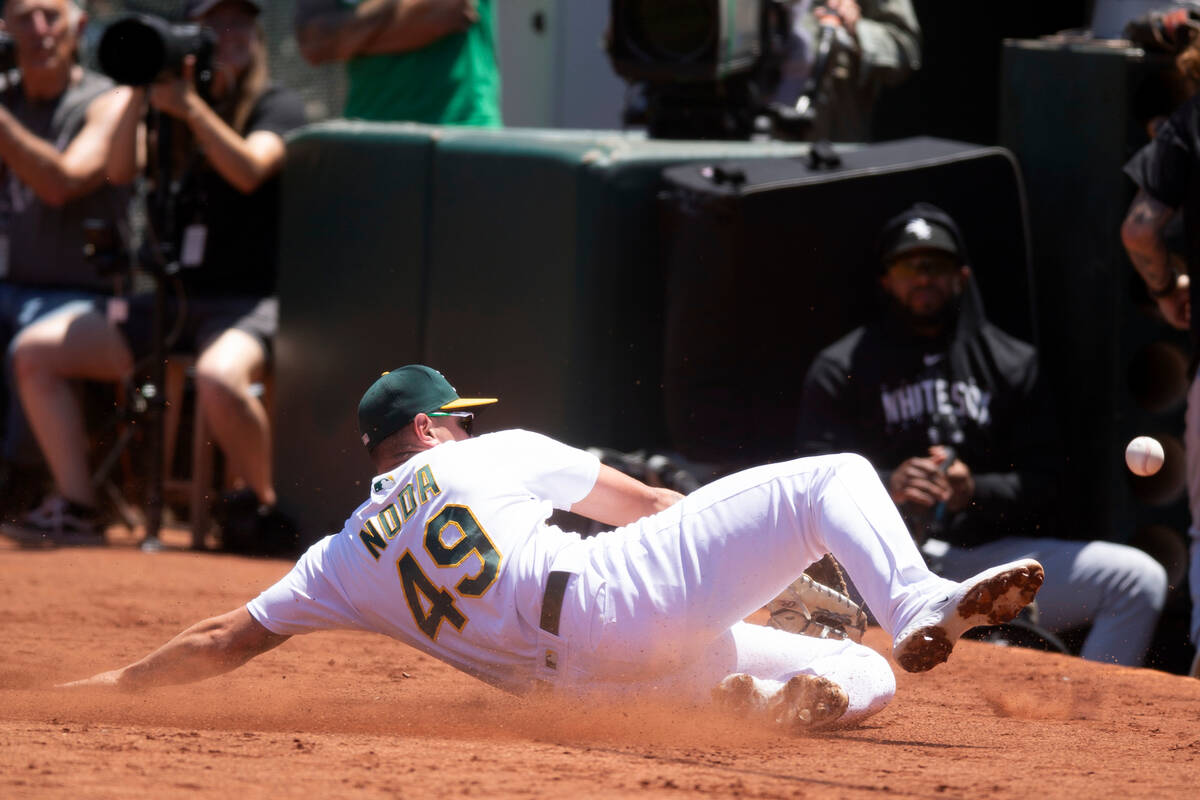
[(1118, 590), (748, 669), (773, 657), (676, 580), (730, 547), (924, 614), (670, 584)]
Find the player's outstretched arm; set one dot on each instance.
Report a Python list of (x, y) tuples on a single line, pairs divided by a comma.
[(618, 499), (212, 647)]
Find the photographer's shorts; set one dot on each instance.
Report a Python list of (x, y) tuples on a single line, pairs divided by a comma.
[(21, 306), (203, 319)]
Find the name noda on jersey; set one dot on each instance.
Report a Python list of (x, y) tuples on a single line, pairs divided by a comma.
[(923, 401)]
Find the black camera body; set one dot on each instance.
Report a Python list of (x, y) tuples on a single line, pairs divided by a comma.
[(138, 49), (686, 41)]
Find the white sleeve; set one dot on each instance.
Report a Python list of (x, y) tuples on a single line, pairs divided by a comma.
[(549, 469), (306, 599)]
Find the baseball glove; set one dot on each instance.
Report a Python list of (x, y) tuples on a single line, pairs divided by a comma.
[(815, 609)]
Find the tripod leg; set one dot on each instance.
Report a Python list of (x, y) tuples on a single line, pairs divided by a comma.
[(155, 404), (129, 514), (100, 476), (103, 483)]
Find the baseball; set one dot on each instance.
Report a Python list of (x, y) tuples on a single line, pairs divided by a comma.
[(1144, 455)]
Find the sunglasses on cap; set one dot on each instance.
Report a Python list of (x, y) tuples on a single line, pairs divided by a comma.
[(465, 419)]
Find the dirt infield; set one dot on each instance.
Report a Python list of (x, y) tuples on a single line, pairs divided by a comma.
[(353, 715)]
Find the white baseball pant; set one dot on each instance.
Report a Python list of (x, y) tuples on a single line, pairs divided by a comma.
[(658, 605)]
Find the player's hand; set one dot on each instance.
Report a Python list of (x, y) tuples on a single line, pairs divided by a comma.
[(840, 13), (174, 96), (919, 481), (108, 680), (1176, 307)]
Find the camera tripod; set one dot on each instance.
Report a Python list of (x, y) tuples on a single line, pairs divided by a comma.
[(144, 398)]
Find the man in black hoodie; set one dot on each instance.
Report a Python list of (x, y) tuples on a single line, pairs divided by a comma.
[(949, 410)]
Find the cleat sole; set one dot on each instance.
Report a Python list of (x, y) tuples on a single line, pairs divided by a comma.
[(993, 600)]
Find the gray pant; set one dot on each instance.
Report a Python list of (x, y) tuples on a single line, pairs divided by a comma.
[(1117, 589)]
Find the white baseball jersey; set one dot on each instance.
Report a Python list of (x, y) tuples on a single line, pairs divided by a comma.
[(449, 555), (452, 552)]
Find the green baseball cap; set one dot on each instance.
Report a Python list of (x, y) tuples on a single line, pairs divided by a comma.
[(398, 396)]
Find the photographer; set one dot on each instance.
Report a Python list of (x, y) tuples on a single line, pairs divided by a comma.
[(57, 125), (875, 44), (227, 219)]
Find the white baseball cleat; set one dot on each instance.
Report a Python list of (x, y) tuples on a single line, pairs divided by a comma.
[(741, 694), (802, 703), (807, 701), (993, 596)]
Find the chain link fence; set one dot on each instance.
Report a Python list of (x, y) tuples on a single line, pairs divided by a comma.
[(322, 88)]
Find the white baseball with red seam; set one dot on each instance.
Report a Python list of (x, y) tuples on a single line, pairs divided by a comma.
[(1144, 455)]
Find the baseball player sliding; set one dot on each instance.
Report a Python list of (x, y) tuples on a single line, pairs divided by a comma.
[(451, 554)]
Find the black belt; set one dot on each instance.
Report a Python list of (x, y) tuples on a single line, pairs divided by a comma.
[(552, 600)]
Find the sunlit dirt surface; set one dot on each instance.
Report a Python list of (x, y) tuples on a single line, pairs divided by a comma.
[(354, 715)]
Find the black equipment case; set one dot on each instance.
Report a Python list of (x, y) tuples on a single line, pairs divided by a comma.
[(770, 260)]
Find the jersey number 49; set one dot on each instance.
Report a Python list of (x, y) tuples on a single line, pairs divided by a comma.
[(431, 604)]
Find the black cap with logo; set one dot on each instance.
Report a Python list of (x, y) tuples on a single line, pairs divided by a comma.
[(922, 227)]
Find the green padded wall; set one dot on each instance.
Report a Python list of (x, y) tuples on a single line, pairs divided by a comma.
[(352, 267), (546, 281), (502, 282), (525, 264)]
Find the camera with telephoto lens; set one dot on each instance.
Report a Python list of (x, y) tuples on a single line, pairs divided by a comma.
[(139, 49)]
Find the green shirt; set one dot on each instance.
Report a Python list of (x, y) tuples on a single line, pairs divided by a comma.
[(453, 81)]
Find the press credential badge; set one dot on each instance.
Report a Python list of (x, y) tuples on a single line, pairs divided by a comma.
[(194, 238)]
